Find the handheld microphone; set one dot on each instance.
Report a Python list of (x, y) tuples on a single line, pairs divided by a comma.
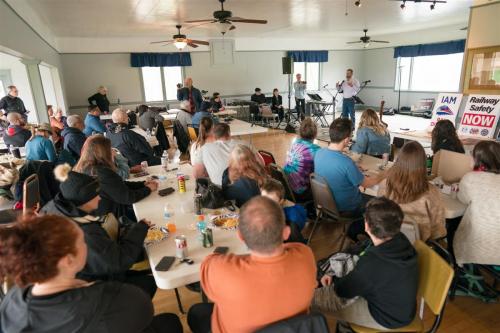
[(326, 85), (368, 81)]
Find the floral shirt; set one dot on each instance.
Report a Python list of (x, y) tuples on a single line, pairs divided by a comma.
[(300, 164)]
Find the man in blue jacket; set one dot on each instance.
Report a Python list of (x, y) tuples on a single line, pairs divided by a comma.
[(93, 123), (191, 94), (73, 136)]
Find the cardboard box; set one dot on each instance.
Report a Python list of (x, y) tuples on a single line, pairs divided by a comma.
[(451, 166)]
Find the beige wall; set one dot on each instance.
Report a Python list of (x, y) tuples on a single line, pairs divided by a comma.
[(484, 26)]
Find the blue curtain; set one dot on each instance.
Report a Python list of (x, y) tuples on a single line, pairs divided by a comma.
[(160, 59), (456, 46), (308, 56)]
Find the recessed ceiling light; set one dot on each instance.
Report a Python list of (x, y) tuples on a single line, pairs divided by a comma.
[(357, 3)]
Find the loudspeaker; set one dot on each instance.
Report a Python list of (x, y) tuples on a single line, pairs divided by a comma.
[(287, 65)]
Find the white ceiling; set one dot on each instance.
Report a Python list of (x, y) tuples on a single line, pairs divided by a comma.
[(129, 25)]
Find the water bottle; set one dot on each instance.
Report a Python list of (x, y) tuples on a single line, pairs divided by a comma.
[(169, 217), (177, 156), (164, 160), (429, 165)]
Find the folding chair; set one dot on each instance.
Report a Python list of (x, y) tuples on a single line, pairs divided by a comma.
[(325, 205), (193, 136), (31, 195), (312, 322), (278, 174), (411, 231), (267, 157), (266, 113), (434, 280)]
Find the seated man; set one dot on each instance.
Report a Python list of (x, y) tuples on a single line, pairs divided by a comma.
[(216, 102), (258, 98), (204, 112), (384, 280), (108, 258), (93, 124), (275, 281), (131, 145), (213, 157), (343, 175), (185, 116), (73, 135), (16, 135)]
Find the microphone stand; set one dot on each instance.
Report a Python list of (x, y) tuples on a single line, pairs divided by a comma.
[(334, 99)]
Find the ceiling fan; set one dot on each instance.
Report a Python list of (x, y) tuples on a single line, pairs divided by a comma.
[(225, 19), (366, 40), (432, 2), (180, 41)]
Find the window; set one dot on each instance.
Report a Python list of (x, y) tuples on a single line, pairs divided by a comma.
[(48, 86), (160, 83), (310, 73), (438, 73)]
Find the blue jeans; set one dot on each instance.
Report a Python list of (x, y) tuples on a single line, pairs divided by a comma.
[(348, 110)]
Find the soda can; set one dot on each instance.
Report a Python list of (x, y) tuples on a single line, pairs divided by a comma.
[(208, 238), (181, 182), (181, 247), (144, 166)]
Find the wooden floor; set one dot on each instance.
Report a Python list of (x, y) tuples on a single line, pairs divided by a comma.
[(461, 315)]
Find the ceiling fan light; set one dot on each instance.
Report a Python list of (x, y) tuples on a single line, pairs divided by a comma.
[(180, 44), (367, 44), (224, 27)]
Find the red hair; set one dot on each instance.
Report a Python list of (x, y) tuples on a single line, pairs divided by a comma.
[(243, 163), (30, 249)]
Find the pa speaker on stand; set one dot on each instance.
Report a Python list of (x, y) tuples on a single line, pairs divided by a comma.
[(287, 64)]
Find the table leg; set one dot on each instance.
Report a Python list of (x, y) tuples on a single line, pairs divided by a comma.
[(179, 303)]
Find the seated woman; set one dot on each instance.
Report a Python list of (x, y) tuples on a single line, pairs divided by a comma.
[(372, 137), (216, 102), (149, 119), (204, 136), (444, 136), (277, 104), (241, 181), (476, 239), (57, 120), (408, 186), (49, 298), (117, 195), (111, 253), (39, 147), (300, 160)]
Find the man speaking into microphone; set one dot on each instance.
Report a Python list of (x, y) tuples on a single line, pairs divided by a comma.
[(349, 87)]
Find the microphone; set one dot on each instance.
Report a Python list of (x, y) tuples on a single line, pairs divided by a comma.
[(326, 85), (368, 81)]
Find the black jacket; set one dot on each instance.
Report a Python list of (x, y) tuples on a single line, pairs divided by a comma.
[(12, 104), (259, 99), (148, 119), (106, 259), (182, 137), (48, 184), (116, 194), (73, 141), (100, 100), (131, 145), (241, 190), (16, 136), (104, 307), (183, 95), (276, 101), (387, 277)]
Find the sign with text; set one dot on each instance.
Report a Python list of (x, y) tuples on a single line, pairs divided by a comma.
[(446, 107), (480, 116)]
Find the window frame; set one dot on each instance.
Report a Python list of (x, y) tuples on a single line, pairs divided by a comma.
[(410, 78), (164, 88), (304, 75)]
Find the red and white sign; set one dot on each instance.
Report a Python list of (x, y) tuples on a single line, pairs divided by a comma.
[(480, 116), (446, 107)]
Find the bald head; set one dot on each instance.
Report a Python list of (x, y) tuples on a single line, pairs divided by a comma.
[(261, 224), (119, 116), (188, 82)]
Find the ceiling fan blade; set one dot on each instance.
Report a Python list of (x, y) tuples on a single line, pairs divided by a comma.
[(379, 41), (242, 20), (197, 25), (357, 42), (161, 41), (169, 43), (232, 27), (201, 42), (193, 45), (199, 21)]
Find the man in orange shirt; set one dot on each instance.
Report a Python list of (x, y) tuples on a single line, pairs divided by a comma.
[(275, 281)]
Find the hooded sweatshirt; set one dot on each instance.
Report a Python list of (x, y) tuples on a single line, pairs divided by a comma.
[(386, 276), (103, 307), (131, 145), (16, 136), (106, 259)]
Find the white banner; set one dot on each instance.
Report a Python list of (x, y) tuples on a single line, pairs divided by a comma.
[(480, 116), (446, 107)]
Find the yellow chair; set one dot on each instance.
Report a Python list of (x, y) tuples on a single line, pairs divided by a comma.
[(435, 276), (192, 134)]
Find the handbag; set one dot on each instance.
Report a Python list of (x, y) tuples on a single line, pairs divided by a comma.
[(211, 194)]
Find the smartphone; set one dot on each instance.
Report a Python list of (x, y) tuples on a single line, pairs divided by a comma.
[(166, 191), (165, 264), (221, 249), (141, 174)]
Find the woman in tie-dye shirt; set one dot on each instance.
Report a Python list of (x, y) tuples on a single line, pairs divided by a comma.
[(300, 159)]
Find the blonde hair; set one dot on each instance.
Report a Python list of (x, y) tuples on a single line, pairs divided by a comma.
[(119, 116), (370, 119), (243, 163)]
